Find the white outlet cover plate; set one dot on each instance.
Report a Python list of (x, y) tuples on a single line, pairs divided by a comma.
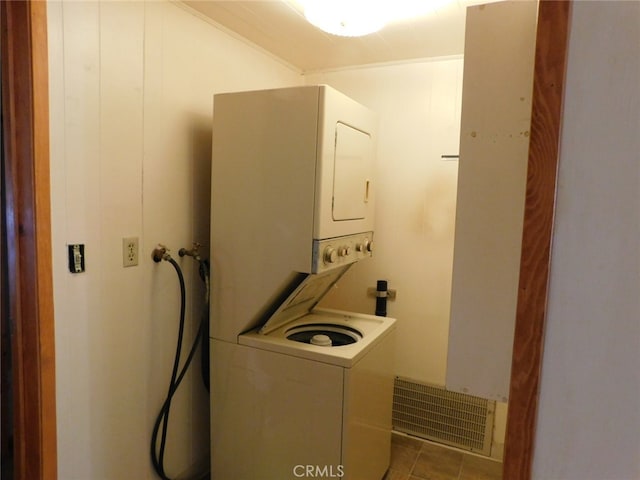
[(130, 251)]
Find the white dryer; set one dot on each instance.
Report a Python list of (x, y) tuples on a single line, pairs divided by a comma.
[(296, 391)]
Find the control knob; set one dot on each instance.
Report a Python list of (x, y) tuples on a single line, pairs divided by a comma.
[(365, 247), (330, 255)]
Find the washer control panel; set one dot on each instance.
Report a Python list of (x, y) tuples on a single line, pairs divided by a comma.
[(339, 251)]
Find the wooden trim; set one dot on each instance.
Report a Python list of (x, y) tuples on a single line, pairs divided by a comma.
[(26, 133), (546, 119), (40, 65)]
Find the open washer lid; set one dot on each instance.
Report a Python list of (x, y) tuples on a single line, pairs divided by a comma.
[(303, 298)]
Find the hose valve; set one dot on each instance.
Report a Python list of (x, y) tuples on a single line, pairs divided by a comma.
[(194, 252), (160, 253)]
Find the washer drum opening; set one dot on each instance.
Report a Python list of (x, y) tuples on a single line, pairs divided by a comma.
[(315, 334)]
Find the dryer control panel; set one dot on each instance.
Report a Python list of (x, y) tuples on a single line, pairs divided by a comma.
[(339, 251)]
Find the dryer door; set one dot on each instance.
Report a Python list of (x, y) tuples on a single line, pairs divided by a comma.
[(351, 182)]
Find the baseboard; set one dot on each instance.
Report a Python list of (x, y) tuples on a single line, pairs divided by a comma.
[(497, 451)]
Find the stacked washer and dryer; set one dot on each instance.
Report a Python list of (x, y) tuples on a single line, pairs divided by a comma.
[(297, 391)]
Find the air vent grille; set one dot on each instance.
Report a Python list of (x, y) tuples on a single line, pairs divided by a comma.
[(452, 418)]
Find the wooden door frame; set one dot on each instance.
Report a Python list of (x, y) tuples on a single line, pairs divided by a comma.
[(25, 104), (546, 119)]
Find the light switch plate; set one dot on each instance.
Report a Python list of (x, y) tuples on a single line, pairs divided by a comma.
[(76, 257)]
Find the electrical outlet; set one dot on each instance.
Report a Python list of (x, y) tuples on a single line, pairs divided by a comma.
[(129, 251)]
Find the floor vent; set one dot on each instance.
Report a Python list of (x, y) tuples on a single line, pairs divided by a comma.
[(452, 418)]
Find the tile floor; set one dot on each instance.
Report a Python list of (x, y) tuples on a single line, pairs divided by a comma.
[(413, 459)]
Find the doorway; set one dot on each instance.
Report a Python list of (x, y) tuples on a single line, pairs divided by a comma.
[(24, 72)]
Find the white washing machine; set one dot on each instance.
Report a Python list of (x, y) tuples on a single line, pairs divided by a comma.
[(296, 391), (292, 409)]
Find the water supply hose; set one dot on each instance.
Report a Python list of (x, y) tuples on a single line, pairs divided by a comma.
[(204, 276), (177, 374)]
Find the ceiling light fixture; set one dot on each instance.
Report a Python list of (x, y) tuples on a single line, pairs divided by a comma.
[(355, 18), (348, 18)]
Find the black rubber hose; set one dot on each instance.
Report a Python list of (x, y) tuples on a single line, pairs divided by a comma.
[(163, 416), (157, 458), (204, 325)]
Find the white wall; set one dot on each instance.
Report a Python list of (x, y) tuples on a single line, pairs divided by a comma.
[(589, 416), (131, 87), (419, 110)]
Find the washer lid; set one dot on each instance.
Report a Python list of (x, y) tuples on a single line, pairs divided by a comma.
[(303, 298)]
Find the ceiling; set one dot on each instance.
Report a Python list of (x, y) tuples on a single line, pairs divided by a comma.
[(279, 27)]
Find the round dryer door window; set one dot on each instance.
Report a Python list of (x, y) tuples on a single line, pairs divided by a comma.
[(326, 335)]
